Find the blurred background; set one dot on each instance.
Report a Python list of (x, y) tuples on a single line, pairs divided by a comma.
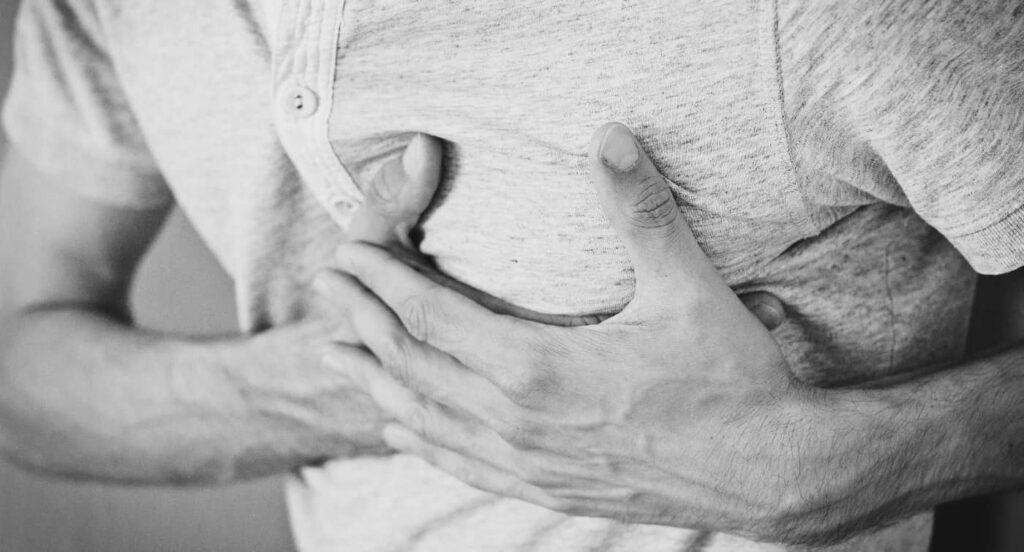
[(181, 288)]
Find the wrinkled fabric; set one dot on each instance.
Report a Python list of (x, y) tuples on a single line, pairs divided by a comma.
[(854, 158)]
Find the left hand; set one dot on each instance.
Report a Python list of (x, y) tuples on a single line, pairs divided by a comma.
[(680, 410)]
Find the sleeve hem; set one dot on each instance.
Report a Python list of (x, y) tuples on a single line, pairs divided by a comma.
[(997, 248), (121, 183)]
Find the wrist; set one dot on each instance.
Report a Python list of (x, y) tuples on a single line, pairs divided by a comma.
[(890, 451), (283, 386), (853, 457)]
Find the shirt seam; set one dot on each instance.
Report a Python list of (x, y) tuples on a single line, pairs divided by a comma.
[(336, 169), (341, 186), (809, 224)]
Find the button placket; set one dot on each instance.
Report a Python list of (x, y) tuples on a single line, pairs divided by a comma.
[(304, 69)]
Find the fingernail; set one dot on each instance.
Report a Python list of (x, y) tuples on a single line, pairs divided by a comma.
[(770, 316), (415, 155), (618, 149)]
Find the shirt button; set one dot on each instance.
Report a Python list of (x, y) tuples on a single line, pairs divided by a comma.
[(300, 102)]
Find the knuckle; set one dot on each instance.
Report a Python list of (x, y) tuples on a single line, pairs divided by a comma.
[(430, 389), (528, 434), (518, 433), (385, 187), (417, 313), (654, 204), (398, 355), (531, 391), (423, 315), (533, 473), (418, 419), (539, 381)]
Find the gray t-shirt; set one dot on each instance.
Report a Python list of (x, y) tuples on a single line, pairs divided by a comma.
[(850, 157)]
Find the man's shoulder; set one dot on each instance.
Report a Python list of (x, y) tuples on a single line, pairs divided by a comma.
[(107, 20), (924, 28), (102, 18), (914, 102)]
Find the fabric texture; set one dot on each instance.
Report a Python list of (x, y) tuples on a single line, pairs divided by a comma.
[(851, 158)]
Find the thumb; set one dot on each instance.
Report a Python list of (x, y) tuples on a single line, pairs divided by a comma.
[(398, 194), (643, 211)]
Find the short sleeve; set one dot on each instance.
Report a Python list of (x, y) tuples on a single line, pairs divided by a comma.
[(66, 111), (919, 103)]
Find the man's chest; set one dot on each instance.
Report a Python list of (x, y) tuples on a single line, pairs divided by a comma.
[(260, 176), (516, 91)]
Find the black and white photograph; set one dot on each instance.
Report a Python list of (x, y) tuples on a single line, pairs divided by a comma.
[(533, 276)]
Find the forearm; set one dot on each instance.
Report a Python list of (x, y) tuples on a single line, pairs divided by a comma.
[(943, 436), (83, 395)]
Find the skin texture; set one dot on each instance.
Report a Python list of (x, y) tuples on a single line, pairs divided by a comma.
[(680, 410), (733, 443), (84, 394)]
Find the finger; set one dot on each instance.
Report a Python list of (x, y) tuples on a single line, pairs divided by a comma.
[(433, 426), (398, 194), (642, 208), (415, 365), (556, 487), (398, 402), (470, 471), (431, 421), (766, 307), (342, 330), (373, 324), (488, 344)]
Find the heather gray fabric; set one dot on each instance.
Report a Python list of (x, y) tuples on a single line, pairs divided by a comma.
[(837, 154)]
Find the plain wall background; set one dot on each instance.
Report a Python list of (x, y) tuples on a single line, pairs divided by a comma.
[(181, 288)]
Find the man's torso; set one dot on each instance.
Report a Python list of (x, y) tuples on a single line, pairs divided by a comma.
[(516, 91)]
